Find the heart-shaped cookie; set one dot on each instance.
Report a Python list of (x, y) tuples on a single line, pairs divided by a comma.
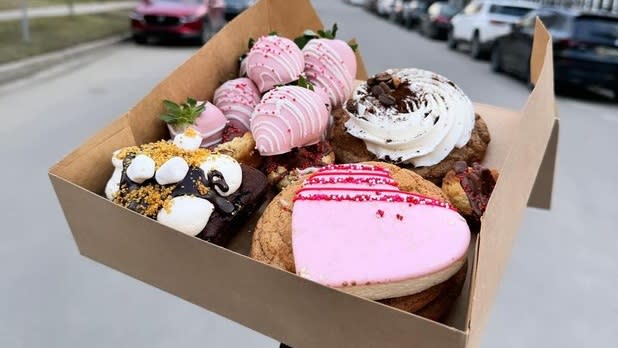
[(353, 229)]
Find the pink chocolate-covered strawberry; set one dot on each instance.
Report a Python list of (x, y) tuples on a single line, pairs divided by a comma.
[(272, 61), (204, 117), (288, 117), (330, 65), (237, 98)]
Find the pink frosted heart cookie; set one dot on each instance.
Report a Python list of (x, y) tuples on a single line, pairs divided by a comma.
[(236, 99), (286, 118), (330, 65), (354, 229), (274, 60)]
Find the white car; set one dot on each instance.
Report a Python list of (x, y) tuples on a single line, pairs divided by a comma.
[(385, 7), (480, 22)]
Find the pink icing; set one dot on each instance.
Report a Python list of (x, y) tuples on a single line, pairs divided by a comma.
[(209, 125), (274, 60), (288, 117), (331, 65), (339, 239), (237, 98)]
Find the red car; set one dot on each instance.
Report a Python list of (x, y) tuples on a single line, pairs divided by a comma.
[(182, 19)]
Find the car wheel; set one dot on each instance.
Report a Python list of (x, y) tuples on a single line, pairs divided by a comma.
[(451, 43), (496, 59), (432, 32), (140, 39), (475, 46), (208, 31)]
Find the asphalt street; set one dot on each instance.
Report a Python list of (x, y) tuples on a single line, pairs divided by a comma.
[(559, 289)]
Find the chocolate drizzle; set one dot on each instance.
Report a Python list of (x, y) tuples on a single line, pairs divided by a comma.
[(478, 184), (191, 185)]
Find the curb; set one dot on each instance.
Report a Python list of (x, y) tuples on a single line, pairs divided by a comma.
[(26, 67)]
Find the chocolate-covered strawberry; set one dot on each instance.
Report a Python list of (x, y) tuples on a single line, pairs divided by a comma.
[(330, 64)]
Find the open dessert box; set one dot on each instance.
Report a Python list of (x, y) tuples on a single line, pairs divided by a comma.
[(274, 302)]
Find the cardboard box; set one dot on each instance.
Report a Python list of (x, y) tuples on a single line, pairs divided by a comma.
[(274, 302)]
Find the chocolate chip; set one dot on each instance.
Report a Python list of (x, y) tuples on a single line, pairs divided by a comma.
[(385, 88), (387, 99), (436, 120), (371, 81), (388, 140), (460, 166), (377, 91)]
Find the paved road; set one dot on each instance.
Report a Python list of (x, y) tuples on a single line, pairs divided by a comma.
[(559, 290), (64, 10)]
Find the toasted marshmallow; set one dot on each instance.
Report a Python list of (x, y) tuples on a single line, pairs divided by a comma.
[(113, 184), (117, 162), (172, 171), (141, 169), (186, 214), (231, 170), (189, 140)]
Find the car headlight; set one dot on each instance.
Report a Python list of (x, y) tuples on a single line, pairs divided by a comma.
[(189, 19), (136, 16)]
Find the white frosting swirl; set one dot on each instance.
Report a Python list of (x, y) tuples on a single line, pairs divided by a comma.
[(438, 118)]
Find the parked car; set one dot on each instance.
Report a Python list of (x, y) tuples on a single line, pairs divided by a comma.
[(384, 7), (371, 5), (413, 11), (355, 2), (436, 22), (585, 47), (397, 12), (482, 21), (234, 7), (182, 19)]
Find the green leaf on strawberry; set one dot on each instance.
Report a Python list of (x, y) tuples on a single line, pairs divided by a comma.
[(304, 83), (309, 35), (183, 114)]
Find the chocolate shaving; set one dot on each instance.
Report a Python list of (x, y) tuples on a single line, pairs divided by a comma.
[(387, 100)]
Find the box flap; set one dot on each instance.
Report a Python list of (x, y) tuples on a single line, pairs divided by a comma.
[(508, 201)]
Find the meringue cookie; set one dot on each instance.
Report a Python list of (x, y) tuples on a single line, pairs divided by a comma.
[(186, 214), (172, 171), (228, 167), (436, 118), (274, 60), (141, 169)]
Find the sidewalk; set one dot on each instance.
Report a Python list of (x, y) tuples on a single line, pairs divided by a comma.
[(63, 10)]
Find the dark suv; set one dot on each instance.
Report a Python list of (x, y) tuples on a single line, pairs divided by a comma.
[(585, 47)]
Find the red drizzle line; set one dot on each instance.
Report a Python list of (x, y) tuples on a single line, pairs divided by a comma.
[(370, 181), (355, 167), (411, 198), (328, 173)]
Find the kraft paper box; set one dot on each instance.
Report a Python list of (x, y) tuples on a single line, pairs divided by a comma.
[(274, 302)]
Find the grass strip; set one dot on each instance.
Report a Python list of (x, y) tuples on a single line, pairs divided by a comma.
[(55, 33)]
